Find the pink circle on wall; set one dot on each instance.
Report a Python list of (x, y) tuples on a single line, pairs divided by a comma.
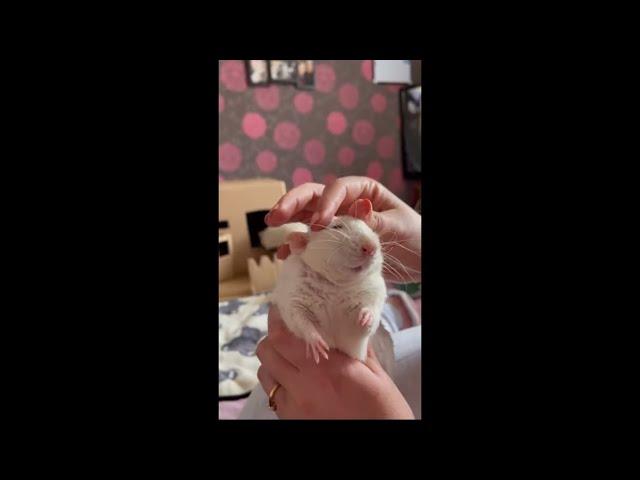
[(336, 123), (396, 180), (349, 96), (329, 178), (314, 152), (267, 98), (325, 78), (386, 146), (286, 135), (220, 103), (266, 161), (232, 75), (303, 102), (253, 125), (363, 132), (367, 69), (301, 175), (346, 156), (375, 170), (378, 103), (220, 178), (229, 157)]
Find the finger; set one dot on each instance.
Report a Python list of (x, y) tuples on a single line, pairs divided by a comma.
[(296, 200), (282, 370), (268, 381), (372, 360), (283, 251)]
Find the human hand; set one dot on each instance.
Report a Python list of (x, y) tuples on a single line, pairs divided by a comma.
[(397, 224), (337, 388)]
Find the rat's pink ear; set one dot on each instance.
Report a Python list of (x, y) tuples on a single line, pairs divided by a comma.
[(361, 209), (297, 242)]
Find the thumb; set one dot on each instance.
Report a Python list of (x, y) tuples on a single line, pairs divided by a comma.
[(372, 360)]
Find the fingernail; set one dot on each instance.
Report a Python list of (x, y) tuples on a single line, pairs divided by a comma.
[(266, 217)]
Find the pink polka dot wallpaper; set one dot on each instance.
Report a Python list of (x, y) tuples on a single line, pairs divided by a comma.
[(346, 125)]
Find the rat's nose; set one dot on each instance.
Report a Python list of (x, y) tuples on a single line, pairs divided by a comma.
[(368, 249)]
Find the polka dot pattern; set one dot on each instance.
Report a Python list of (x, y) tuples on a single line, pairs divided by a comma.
[(366, 68), (303, 102), (286, 135), (386, 146), (378, 103), (266, 161), (349, 96), (346, 156), (232, 75), (375, 170), (301, 175), (254, 125), (314, 152), (325, 78), (229, 157), (363, 132), (345, 125), (267, 98), (336, 123)]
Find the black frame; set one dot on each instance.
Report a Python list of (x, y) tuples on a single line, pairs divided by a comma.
[(408, 174), (293, 81), (302, 86), (247, 68)]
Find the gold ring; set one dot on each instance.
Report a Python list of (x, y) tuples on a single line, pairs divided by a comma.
[(272, 403)]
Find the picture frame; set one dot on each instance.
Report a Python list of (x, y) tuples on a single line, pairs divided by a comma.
[(306, 74), (283, 71), (257, 72), (411, 131)]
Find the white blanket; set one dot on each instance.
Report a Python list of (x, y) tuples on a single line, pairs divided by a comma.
[(241, 323)]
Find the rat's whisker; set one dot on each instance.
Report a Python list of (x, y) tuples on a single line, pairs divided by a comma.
[(388, 256), (395, 272), (400, 265), (397, 266), (396, 244)]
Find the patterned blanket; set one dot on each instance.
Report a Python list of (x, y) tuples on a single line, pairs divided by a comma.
[(241, 323)]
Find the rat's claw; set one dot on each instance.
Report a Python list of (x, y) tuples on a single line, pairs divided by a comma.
[(365, 318), (318, 347)]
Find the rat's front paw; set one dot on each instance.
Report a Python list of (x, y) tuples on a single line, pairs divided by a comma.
[(316, 345), (365, 318)]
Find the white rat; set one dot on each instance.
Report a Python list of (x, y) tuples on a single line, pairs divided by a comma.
[(330, 291)]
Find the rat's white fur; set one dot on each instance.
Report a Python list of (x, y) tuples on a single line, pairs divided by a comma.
[(324, 289)]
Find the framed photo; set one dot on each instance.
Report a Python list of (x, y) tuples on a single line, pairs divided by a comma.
[(411, 121), (257, 72), (306, 74), (283, 71)]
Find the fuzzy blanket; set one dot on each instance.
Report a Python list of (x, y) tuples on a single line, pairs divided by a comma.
[(241, 323)]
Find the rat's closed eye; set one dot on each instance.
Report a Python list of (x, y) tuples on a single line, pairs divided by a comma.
[(337, 226)]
